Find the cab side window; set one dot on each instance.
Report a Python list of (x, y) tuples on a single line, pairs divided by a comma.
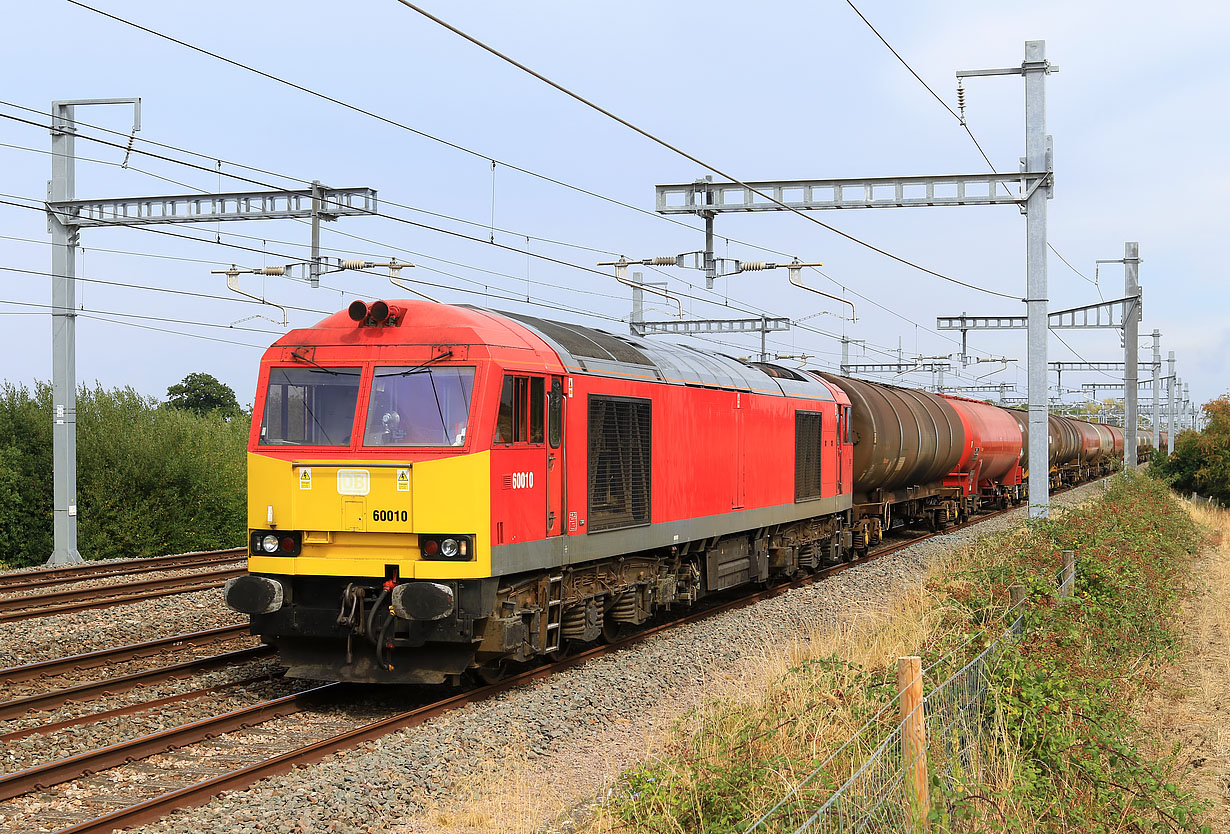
[(522, 410)]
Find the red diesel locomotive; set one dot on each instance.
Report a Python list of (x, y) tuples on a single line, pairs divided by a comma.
[(437, 489)]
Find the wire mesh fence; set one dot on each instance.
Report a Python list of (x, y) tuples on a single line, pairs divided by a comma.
[(878, 795)]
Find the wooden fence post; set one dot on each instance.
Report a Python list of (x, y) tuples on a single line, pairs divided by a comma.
[(1016, 595), (914, 738), (1068, 586)]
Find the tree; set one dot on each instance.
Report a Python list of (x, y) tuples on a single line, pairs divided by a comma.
[(203, 394), (1201, 460)]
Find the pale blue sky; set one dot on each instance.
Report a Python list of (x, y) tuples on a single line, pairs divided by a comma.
[(765, 90)]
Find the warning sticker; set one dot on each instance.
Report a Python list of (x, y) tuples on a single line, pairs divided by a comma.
[(403, 480), (305, 478), (572, 522)]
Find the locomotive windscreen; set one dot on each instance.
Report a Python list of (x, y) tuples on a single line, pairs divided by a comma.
[(419, 406), (310, 406)]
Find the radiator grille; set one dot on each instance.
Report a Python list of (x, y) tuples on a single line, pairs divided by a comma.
[(619, 463), (807, 446)]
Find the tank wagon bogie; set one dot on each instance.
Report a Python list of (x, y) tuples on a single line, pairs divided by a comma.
[(435, 489)]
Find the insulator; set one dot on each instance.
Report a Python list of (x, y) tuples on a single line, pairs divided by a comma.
[(353, 264), (273, 270), (661, 262), (752, 266)]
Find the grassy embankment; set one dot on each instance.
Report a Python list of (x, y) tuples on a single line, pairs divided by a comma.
[(1067, 749)]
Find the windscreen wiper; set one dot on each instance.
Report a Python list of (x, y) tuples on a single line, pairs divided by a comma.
[(332, 371), (417, 368)]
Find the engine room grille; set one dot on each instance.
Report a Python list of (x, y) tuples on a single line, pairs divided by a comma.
[(807, 446), (619, 462)]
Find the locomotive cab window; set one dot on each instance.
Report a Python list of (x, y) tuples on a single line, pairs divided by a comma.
[(417, 406), (310, 406), (556, 413), (808, 442), (523, 403)]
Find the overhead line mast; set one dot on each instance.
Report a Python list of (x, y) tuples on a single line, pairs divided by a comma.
[(65, 218)]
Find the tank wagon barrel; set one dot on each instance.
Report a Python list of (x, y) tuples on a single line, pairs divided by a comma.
[(901, 436)]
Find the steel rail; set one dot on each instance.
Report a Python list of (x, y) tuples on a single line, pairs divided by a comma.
[(130, 709), (63, 770), (38, 581), (157, 807), (62, 665), (105, 596), (113, 686), (116, 567)]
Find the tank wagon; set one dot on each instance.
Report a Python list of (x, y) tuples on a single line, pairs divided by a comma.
[(437, 490)]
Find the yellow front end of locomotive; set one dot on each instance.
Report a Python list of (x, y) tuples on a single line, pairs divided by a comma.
[(357, 518)]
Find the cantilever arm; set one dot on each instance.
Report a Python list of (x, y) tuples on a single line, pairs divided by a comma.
[(621, 275), (232, 283), (798, 282)]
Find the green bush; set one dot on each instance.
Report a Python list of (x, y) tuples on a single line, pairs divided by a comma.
[(150, 480), (1201, 460)]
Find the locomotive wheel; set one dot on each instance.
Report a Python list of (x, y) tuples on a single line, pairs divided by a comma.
[(612, 630), (567, 648)]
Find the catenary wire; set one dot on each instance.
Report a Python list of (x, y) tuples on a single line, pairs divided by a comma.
[(708, 166), (87, 315), (514, 249), (964, 124), (377, 116), (144, 317), (485, 292), (565, 90), (403, 220), (935, 95)]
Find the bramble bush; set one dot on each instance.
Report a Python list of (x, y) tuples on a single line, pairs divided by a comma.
[(1064, 697), (150, 479), (1064, 752)]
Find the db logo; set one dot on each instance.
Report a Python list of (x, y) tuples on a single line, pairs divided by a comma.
[(353, 482)]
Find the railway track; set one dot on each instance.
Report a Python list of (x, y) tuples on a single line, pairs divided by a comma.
[(18, 707), (47, 577), (89, 597), (171, 797), (103, 657)]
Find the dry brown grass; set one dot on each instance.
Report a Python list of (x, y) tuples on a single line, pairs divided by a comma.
[(1191, 708)]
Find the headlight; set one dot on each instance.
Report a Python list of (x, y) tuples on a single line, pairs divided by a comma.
[(450, 547), (275, 542)]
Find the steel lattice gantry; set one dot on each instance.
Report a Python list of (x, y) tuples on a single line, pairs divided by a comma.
[(1029, 189)]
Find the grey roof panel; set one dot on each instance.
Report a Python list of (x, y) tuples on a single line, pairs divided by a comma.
[(599, 352)]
